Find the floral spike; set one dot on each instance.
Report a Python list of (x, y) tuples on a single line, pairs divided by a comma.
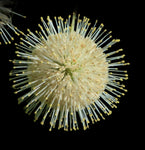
[(6, 22), (68, 73)]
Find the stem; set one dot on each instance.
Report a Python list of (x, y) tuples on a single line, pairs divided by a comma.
[(68, 72)]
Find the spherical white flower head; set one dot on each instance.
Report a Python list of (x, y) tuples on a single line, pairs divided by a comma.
[(67, 73)]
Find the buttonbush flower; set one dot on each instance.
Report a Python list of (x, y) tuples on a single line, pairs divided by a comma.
[(68, 72), (6, 22)]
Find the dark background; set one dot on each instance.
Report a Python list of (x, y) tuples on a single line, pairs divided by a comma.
[(122, 126)]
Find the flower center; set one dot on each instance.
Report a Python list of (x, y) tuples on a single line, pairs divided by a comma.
[(68, 71)]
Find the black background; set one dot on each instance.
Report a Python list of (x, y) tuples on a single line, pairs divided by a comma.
[(122, 126)]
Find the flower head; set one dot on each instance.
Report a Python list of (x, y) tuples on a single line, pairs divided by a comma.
[(68, 72), (6, 21)]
